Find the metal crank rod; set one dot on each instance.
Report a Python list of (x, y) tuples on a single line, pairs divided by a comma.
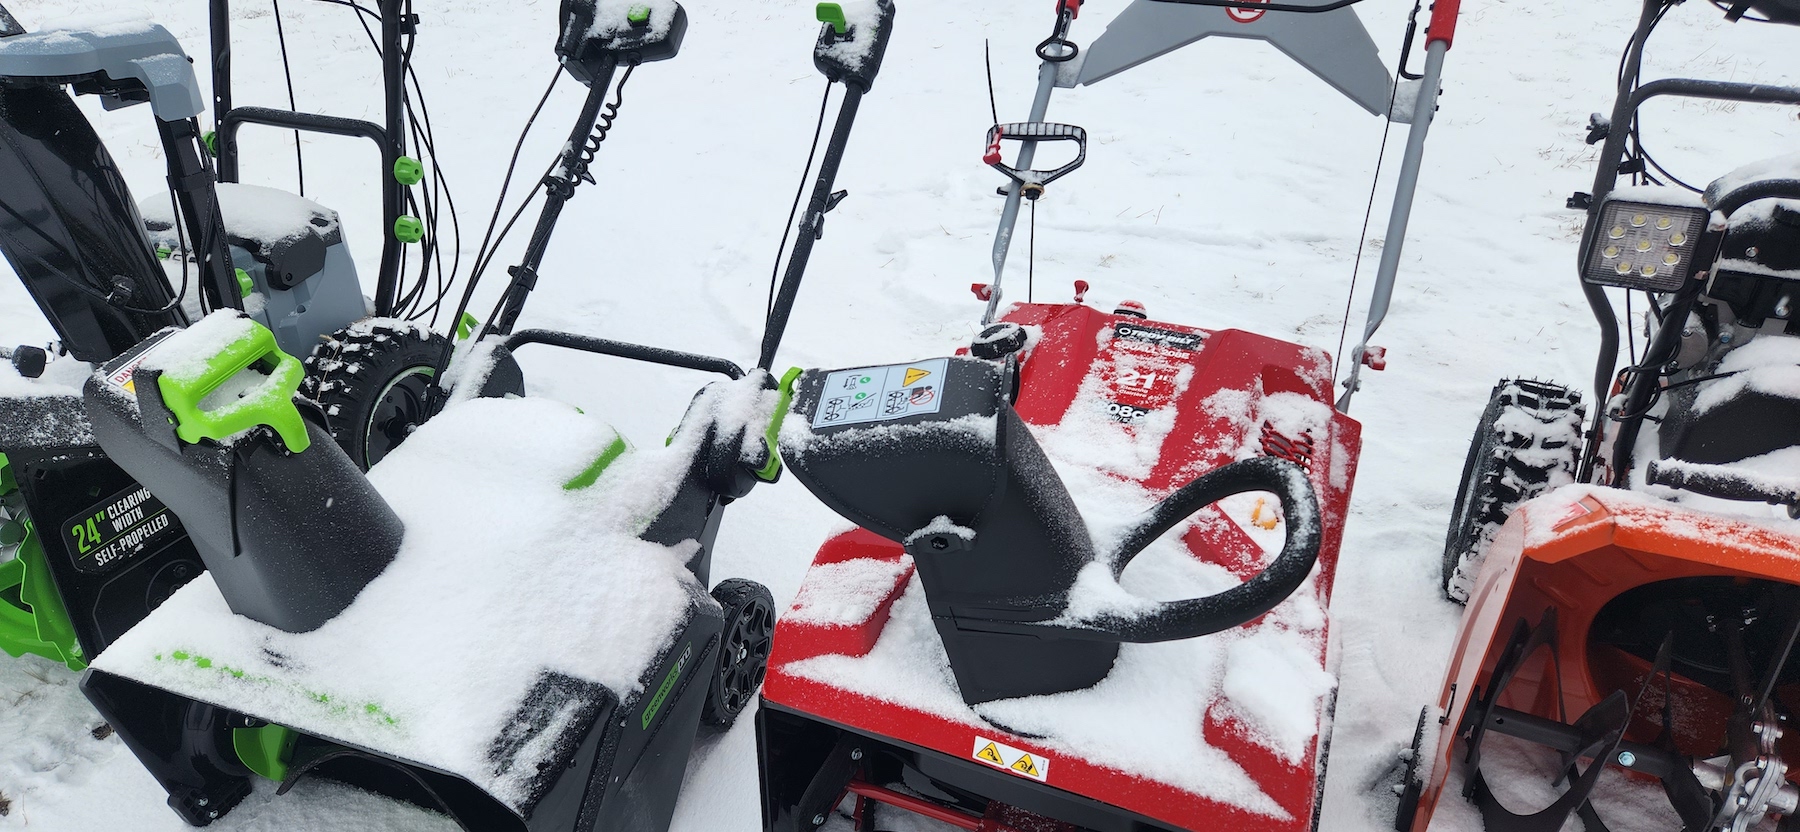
[(1015, 189)]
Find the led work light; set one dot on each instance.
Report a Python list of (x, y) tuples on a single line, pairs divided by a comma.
[(1642, 245)]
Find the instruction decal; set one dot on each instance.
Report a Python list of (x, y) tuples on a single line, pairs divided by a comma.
[(881, 394), (1002, 756), (128, 524)]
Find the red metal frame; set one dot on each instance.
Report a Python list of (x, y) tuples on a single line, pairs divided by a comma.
[(1073, 341)]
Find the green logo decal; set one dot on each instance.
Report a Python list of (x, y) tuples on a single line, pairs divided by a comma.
[(668, 684)]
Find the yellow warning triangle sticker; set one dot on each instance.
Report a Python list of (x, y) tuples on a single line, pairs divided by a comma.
[(991, 754), (913, 374), (1025, 765)]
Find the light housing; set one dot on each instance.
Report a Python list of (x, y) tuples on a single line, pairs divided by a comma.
[(1643, 245)]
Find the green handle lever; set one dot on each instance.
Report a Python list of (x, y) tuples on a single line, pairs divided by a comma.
[(833, 14), (270, 403)]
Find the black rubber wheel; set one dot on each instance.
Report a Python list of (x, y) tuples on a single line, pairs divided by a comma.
[(1528, 442), (370, 380), (743, 649)]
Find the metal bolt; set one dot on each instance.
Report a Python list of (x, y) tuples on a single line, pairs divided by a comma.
[(855, 753), (1752, 251), (1627, 759), (214, 814), (202, 802), (818, 820)]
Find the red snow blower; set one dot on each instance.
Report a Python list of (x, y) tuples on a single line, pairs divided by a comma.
[(976, 652), (1634, 594)]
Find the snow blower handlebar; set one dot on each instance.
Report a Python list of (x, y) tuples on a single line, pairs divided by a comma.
[(1438, 37), (852, 55)]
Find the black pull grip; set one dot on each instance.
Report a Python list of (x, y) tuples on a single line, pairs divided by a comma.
[(1194, 617), (1035, 131)]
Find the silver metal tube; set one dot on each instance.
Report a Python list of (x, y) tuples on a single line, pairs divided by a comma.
[(1423, 112), (1009, 218)]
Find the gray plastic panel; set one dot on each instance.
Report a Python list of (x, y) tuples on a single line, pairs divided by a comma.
[(1333, 45), (127, 49)]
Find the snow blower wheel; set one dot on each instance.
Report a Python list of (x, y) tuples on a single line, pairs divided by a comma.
[(1528, 442), (744, 655), (371, 381)]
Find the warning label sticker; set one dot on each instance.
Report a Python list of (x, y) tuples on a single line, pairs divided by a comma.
[(129, 523), (1003, 756), (122, 377), (881, 394)]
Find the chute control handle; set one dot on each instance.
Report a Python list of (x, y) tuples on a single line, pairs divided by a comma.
[(1033, 181), (1194, 617)]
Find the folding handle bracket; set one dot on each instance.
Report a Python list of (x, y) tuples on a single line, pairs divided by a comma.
[(1033, 181)]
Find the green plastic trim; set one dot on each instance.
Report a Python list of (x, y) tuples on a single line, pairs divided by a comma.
[(467, 326), (32, 616), (591, 474), (272, 405), (409, 229), (638, 15), (833, 14), (163, 252), (245, 285), (408, 171), (266, 751), (211, 140), (772, 470)]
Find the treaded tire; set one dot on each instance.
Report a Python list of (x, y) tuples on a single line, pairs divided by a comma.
[(1528, 442), (369, 380), (743, 650)]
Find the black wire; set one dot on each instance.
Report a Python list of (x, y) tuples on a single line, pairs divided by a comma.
[(1362, 237), (987, 54), (576, 171), (181, 243), (1630, 327), (360, 8), (288, 71), (805, 177)]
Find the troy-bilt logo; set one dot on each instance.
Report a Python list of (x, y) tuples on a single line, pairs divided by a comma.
[(1161, 337), (1246, 15)]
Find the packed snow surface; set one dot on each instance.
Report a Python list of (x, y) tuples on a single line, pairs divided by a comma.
[(1224, 187)]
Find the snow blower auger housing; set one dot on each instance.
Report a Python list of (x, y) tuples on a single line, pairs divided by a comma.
[(977, 651), (1632, 592), (342, 611)]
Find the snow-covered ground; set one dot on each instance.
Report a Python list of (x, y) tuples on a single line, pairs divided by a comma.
[(1225, 187)]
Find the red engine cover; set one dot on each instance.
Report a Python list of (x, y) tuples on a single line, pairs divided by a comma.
[(1214, 396)]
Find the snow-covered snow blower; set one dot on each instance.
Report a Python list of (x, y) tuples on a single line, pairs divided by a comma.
[(346, 624), (1634, 593), (977, 651)]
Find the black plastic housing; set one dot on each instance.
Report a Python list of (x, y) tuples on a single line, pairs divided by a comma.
[(857, 73), (71, 230), (291, 538), (585, 53), (618, 765)]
